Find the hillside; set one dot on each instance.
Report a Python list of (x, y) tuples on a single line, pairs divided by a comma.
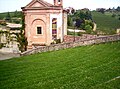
[(105, 22), (12, 17), (17, 14), (87, 67)]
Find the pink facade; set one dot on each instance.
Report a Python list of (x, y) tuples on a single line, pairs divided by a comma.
[(44, 22)]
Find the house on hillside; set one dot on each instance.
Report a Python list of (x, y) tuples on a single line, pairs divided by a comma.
[(44, 22)]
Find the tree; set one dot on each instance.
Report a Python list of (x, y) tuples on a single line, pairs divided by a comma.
[(68, 11), (8, 17), (21, 39), (118, 8), (88, 25), (113, 15), (102, 10), (119, 18), (15, 13), (83, 14), (109, 9), (73, 11), (69, 21), (78, 23), (88, 15), (82, 18)]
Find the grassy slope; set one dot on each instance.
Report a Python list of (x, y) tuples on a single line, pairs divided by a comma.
[(88, 67), (111, 13), (105, 22)]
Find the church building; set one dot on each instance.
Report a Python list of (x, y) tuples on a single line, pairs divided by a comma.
[(44, 22)]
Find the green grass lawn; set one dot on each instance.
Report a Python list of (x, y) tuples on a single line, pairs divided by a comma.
[(87, 67)]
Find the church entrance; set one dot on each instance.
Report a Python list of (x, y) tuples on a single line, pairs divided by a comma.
[(54, 28)]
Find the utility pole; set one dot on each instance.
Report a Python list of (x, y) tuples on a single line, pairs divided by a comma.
[(74, 23)]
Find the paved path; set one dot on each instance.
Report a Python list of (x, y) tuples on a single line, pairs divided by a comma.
[(4, 56), (76, 30)]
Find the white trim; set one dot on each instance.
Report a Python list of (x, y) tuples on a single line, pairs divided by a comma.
[(59, 24)]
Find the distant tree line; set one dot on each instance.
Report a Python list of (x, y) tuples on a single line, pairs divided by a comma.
[(114, 11), (103, 10)]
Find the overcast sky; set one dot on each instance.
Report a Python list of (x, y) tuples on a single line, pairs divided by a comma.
[(12, 5)]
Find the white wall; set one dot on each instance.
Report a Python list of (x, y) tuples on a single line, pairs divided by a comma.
[(65, 23), (59, 25)]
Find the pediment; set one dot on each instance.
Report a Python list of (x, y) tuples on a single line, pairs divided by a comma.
[(38, 3)]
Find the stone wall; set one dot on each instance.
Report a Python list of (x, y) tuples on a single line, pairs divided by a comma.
[(55, 47), (71, 38)]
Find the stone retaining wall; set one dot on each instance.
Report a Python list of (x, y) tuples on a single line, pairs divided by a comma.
[(71, 38), (55, 47)]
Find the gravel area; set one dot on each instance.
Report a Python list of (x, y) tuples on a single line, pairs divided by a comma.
[(4, 56)]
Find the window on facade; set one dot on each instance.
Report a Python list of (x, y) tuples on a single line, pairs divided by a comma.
[(58, 0), (39, 30)]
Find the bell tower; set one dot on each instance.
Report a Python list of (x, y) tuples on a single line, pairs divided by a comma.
[(58, 2)]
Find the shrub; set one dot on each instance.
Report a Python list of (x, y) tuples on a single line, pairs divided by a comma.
[(79, 34), (119, 18), (88, 27), (113, 15), (3, 23), (1, 45), (57, 41), (88, 31)]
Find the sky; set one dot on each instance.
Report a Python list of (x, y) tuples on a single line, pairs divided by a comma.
[(13, 5)]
